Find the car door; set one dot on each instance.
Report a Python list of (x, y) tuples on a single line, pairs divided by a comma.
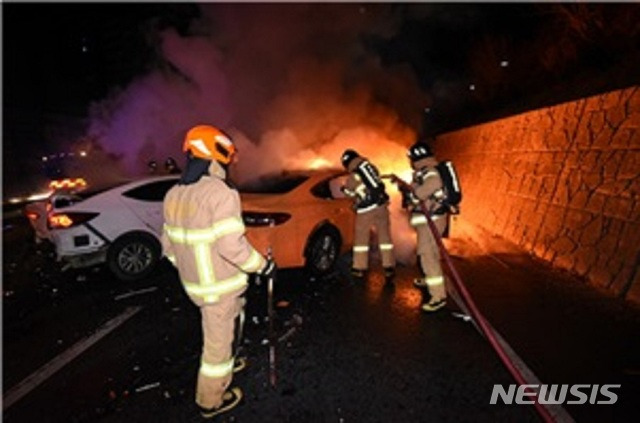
[(146, 202)]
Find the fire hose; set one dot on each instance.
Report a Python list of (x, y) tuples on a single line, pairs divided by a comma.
[(467, 303), (270, 313)]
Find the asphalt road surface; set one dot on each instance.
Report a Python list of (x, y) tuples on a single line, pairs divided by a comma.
[(80, 346)]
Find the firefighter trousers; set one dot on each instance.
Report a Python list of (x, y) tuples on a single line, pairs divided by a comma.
[(429, 254), (378, 219), (219, 328)]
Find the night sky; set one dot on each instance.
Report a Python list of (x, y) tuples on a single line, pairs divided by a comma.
[(72, 69)]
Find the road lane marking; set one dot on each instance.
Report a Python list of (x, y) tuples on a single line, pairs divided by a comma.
[(43, 373), (133, 293)]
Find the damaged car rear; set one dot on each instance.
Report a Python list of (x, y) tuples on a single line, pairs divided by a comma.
[(119, 226)]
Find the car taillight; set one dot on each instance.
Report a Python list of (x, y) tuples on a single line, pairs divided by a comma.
[(264, 218), (67, 220)]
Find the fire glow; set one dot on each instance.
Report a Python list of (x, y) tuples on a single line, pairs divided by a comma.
[(390, 158)]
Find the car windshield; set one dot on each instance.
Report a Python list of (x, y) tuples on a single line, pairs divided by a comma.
[(273, 184)]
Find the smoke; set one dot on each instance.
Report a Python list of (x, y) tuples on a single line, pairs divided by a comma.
[(280, 75), (294, 84)]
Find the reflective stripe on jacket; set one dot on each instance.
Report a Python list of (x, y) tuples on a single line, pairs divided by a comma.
[(204, 237)]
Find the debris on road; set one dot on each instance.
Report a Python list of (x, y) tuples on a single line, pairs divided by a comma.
[(287, 334), (462, 316), (148, 387)]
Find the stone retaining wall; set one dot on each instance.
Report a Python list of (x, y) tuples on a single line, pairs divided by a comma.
[(562, 182)]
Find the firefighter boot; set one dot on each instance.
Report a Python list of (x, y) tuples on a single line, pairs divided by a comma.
[(389, 275), (230, 399), (434, 305)]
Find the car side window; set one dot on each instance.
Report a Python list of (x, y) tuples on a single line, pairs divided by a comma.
[(154, 191), (329, 189)]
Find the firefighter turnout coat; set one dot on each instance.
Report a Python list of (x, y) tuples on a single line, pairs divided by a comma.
[(371, 204), (204, 237), (427, 186)]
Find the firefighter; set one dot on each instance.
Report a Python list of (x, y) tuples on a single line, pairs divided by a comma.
[(171, 167), (371, 204), (427, 186), (204, 237)]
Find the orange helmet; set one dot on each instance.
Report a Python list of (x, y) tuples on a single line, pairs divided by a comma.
[(209, 143)]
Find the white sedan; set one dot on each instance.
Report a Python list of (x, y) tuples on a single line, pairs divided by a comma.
[(300, 217), (119, 226)]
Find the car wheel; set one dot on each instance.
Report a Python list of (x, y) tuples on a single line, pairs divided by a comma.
[(133, 256), (323, 249)]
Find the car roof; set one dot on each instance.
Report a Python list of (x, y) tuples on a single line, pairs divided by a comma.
[(290, 181)]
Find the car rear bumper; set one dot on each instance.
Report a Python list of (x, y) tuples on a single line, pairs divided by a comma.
[(79, 261), (80, 247)]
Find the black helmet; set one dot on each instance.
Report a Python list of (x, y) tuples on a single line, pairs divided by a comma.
[(419, 151), (347, 156)]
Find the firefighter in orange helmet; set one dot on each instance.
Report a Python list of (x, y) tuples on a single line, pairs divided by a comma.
[(204, 237), (427, 186), (371, 204)]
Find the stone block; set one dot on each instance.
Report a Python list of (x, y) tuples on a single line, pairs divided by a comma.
[(629, 236), (587, 159), (608, 243), (613, 188), (616, 115), (600, 277), (603, 138), (563, 246), (612, 162), (618, 207), (583, 139), (612, 99), (546, 187), (585, 258), (593, 180), (578, 218), (565, 261), (593, 103), (630, 166), (622, 138), (633, 99), (553, 221), (596, 123), (596, 203), (579, 199), (592, 233)]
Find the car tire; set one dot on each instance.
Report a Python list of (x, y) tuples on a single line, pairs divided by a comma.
[(133, 256), (323, 250)]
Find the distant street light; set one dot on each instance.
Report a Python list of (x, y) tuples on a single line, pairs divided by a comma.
[(472, 87), (504, 63)]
